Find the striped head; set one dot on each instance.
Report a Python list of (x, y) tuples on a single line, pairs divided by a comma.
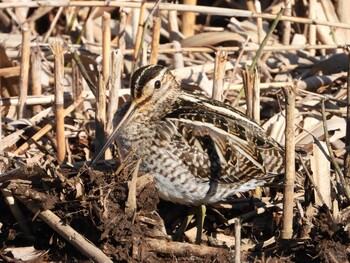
[(151, 85)]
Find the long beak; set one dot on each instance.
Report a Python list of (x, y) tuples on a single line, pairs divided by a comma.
[(127, 117)]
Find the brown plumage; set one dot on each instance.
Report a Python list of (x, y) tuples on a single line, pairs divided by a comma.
[(199, 150)]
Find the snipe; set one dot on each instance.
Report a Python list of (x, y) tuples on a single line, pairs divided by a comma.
[(199, 150)]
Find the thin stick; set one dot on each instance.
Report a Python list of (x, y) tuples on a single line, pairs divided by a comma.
[(46, 128), (53, 24), (256, 96), (155, 38), (24, 72), (219, 71), (77, 85), (57, 50), (68, 233), (340, 174), (288, 202)]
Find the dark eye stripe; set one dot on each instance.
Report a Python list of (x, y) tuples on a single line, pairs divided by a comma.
[(141, 77)]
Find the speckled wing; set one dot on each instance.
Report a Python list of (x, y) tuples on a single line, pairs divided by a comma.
[(219, 143)]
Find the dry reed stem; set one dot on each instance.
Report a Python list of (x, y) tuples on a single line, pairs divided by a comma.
[(100, 115), (312, 28), (238, 227), (219, 75), (57, 50), (155, 38), (77, 84), (106, 46), (175, 39), (288, 201), (248, 80), (259, 22), (85, 246), (188, 20), (256, 96), (287, 24), (347, 138), (46, 128), (35, 75), (53, 24), (10, 72), (138, 40), (24, 72), (208, 10), (130, 205), (115, 84), (340, 176)]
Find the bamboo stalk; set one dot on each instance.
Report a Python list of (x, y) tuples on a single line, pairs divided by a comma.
[(35, 76), (188, 20), (288, 201), (57, 50), (219, 76), (106, 46), (155, 38), (24, 72)]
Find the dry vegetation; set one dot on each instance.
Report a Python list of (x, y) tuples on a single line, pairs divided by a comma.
[(64, 71)]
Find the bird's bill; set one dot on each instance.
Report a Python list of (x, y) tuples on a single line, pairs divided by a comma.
[(124, 121)]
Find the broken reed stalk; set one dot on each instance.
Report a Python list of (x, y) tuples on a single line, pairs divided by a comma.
[(155, 38), (312, 28), (347, 138), (256, 96), (24, 72), (219, 75), (217, 11), (100, 115), (35, 75), (85, 246), (46, 128), (287, 24), (188, 20), (175, 39), (138, 40), (53, 24), (77, 85), (238, 227), (130, 205), (57, 49), (341, 181), (288, 201), (259, 22), (106, 46)]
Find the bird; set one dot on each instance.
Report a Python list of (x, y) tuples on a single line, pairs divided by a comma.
[(200, 151)]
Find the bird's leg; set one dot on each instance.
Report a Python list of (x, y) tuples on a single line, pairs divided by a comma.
[(185, 223), (201, 211)]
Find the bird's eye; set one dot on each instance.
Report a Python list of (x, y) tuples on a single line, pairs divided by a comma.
[(157, 84)]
